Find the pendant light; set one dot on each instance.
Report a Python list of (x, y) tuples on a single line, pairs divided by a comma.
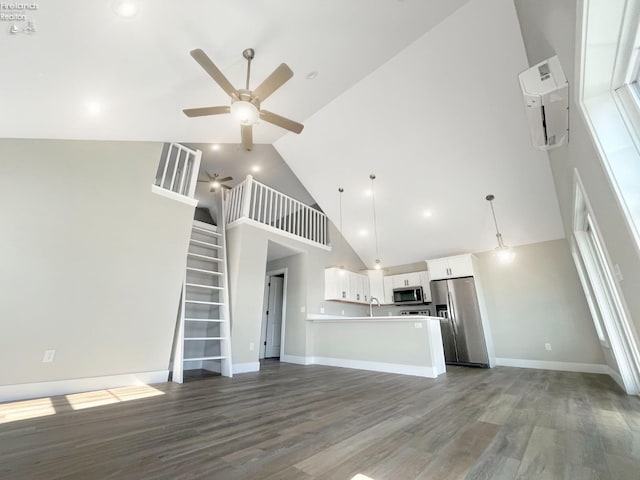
[(375, 223), (504, 253), (340, 252)]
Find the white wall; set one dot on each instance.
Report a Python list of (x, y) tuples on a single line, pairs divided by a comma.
[(247, 248), (91, 260), (538, 299), (548, 28)]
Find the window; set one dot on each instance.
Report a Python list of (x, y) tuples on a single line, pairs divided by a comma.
[(609, 95), (597, 276)]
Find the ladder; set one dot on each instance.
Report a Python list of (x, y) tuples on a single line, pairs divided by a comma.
[(203, 334)]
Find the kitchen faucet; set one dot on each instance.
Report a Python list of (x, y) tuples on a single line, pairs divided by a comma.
[(371, 305)]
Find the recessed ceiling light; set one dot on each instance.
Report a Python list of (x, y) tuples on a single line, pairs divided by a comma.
[(215, 147), (311, 75), (93, 107), (125, 8), (256, 168), (363, 232), (368, 192), (427, 213)]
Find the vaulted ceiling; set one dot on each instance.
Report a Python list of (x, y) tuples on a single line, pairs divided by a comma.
[(423, 93)]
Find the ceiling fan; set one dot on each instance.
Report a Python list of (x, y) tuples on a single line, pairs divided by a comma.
[(216, 182), (245, 103)]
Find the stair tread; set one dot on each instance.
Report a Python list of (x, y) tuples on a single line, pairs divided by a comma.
[(203, 302), (211, 272), (204, 257), (198, 285), (206, 230), (205, 338), (204, 358), (205, 244), (204, 320)]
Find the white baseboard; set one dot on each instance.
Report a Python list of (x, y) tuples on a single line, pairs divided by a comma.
[(546, 365), (212, 366), (416, 370), (246, 367), (23, 391), (616, 377), (296, 359)]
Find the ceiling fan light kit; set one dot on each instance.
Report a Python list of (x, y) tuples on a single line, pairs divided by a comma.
[(245, 103), (245, 112), (216, 182)]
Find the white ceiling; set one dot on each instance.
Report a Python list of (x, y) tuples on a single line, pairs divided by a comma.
[(421, 92), (140, 72)]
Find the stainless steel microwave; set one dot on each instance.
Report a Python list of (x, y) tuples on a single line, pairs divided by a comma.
[(408, 296)]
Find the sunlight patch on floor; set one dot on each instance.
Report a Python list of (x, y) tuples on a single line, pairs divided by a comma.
[(80, 401), (14, 411), (41, 407), (360, 476)]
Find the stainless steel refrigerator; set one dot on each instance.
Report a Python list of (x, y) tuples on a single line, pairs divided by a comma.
[(456, 304)]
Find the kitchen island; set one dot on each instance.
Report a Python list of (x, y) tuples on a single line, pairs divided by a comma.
[(410, 345)]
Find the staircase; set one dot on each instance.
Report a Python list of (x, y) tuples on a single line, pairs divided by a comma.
[(203, 334)]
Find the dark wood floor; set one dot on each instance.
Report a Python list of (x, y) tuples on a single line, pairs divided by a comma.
[(295, 422)]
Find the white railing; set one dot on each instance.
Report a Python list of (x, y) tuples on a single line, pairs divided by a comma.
[(178, 170), (256, 201)]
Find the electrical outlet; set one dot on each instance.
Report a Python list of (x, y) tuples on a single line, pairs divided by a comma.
[(252, 346), (303, 309), (390, 314), (417, 325), (321, 309), (341, 312), (49, 356), (547, 347)]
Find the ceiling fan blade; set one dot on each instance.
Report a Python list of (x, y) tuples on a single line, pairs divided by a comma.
[(246, 133), (273, 82), (225, 179), (283, 122), (213, 71), (226, 186), (204, 111)]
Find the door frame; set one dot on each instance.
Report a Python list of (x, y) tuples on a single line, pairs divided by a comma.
[(608, 295), (270, 273)]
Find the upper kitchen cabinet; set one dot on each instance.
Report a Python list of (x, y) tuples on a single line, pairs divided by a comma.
[(359, 287), (450, 267), (377, 285), (407, 280), (337, 285), (346, 286)]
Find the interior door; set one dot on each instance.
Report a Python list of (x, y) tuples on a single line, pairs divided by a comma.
[(274, 317)]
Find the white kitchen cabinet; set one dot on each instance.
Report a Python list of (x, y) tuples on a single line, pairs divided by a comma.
[(388, 290), (346, 286), (406, 280), (426, 286), (356, 287), (450, 267), (337, 284), (376, 285)]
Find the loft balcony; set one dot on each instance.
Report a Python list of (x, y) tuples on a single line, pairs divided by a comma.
[(256, 203)]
